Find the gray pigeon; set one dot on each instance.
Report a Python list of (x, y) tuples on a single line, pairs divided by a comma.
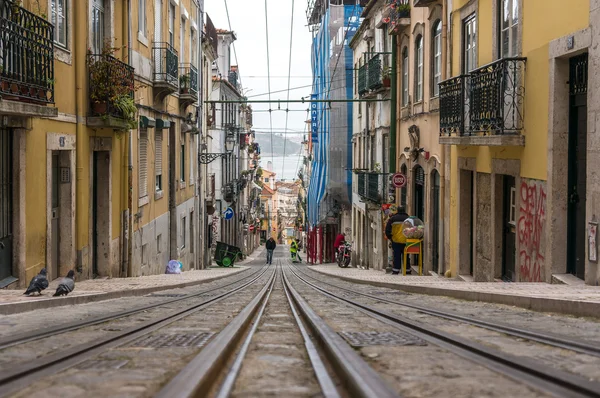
[(38, 283), (67, 285)]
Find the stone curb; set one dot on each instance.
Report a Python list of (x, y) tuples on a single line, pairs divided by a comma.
[(24, 306), (541, 304)]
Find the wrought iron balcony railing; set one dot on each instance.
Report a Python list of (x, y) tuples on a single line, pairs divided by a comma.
[(26, 54), (109, 79), (166, 63), (362, 80), (188, 79), (374, 72), (489, 101)]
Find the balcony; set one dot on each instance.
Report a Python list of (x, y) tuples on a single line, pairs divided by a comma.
[(424, 3), (485, 107), (188, 85), (111, 87), (399, 15), (166, 63), (377, 74), (26, 63), (371, 187)]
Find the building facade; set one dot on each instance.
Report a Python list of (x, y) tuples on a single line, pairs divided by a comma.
[(520, 114)]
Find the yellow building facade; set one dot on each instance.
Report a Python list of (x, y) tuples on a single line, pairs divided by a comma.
[(73, 113), (507, 112)]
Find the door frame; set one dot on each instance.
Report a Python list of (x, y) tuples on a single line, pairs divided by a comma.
[(68, 256), (435, 216)]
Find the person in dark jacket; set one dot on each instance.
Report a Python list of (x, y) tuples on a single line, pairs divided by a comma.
[(270, 246), (393, 231)]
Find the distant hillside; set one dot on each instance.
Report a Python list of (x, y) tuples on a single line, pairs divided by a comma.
[(264, 140)]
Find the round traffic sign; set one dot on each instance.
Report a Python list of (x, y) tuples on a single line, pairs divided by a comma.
[(228, 213), (398, 180)]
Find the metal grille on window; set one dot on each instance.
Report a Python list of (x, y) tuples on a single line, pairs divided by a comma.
[(143, 160), (420, 176), (158, 139)]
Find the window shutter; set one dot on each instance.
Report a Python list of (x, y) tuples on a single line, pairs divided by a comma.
[(143, 159), (191, 161), (158, 138)]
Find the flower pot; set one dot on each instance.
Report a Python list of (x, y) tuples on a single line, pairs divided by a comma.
[(99, 108), (4, 85), (24, 89), (14, 88), (386, 82), (42, 94)]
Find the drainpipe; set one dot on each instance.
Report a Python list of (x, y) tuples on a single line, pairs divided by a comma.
[(129, 165), (80, 205), (445, 59), (393, 102)]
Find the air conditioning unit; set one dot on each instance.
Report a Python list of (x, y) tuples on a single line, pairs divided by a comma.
[(369, 34)]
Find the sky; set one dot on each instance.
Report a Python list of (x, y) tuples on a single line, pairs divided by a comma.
[(248, 22)]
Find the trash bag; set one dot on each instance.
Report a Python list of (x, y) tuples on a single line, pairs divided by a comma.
[(174, 267)]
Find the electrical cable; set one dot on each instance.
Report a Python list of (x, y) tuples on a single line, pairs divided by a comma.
[(287, 114), (233, 43), (269, 77)]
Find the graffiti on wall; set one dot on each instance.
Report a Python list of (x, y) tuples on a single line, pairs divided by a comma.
[(532, 222), (215, 231)]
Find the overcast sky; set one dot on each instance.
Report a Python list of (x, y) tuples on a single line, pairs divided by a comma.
[(248, 22)]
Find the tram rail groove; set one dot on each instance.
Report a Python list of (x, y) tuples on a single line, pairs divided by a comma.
[(360, 380), (549, 380), (10, 341), (32, 371), (197, 378), (583, 347)]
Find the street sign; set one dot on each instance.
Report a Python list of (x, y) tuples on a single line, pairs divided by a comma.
[(228, 213), (398, 180)]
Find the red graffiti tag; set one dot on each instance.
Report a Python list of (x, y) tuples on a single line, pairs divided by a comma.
[(531, 224)]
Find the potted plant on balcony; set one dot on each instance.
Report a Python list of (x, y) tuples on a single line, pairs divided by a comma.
[(385, 76), (184, 81), (403, 9)]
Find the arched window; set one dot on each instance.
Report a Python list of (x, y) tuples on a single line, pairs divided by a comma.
[(404, 76), (436, 72), (419, 69)]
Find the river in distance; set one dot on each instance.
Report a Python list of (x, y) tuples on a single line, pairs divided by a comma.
[(285, 168)]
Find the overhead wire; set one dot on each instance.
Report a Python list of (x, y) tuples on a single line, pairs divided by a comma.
[(269, 77), (287, 114), (234, 51)]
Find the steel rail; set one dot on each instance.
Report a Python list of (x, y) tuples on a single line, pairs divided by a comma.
[(550, 380), (583, 347), (10, 341), (197, 378), (360, 380), (32, 371)]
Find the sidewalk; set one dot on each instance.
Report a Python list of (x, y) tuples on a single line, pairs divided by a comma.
[(581, 300), (87, 291)]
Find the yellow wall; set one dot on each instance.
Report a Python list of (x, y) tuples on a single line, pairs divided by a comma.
[(542, 21)]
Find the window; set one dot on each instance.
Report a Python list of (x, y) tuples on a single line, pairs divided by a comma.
[(182, 41), (59, 19), (183, 228), (355, 79), (419, 68), (266, 180), (193, 47), (143, 164), (437, 57), (191, 232), (158, 140), (191, 163), (172, 24), (182, 158), (509, 24), (97, 26), (470, 45), (405, 77), (159, 243), (142, 17)]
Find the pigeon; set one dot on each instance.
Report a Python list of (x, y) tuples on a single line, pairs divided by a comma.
[(38, 283), (67, 285)]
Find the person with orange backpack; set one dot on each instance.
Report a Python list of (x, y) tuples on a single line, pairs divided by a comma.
[(393, 231)]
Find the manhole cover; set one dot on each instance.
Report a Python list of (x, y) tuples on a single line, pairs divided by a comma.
[(181, 340), (102, 364), (364, 339), (166, 295)]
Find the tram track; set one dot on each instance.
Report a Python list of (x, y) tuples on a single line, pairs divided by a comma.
[(540, 377), (581, 346), (24, 374), (21, 338)]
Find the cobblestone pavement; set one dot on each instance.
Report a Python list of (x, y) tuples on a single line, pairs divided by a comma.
[(568, 299), (570, 327), (412, 367)]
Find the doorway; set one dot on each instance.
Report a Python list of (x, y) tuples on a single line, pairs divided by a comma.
[(509, 229), (100, 214), (55, 216), (435, 221), (577, 172), (419, 192), (465, 222), (6, 203)]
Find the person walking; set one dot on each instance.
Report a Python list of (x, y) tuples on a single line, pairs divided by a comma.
[(270, 246), (393, 231)]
